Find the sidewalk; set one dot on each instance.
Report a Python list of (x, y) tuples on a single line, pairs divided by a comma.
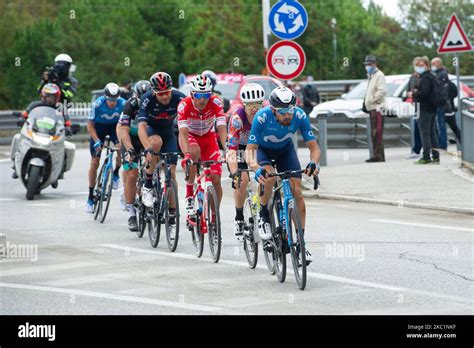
[(397, 182)]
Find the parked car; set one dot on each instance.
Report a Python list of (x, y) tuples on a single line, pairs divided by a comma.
[(350, 104)]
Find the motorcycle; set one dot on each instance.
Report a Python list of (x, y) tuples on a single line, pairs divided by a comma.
[(41, 153)]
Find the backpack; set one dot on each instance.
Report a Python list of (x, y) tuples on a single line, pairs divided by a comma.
[(452, 90), (439, 95)]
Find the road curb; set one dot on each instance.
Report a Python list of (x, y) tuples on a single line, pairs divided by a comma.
[(400, 203)]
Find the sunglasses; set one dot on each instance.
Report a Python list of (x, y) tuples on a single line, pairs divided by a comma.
[(206, 95), (253, 105), (163, 93), (288, 110), (111, 99)]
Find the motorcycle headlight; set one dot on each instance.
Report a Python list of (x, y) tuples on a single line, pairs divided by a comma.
[(42, 139)]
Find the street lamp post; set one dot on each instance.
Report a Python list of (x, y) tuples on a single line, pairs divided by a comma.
[(334, 42)]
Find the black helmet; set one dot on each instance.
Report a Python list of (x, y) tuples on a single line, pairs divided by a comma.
[(282, 97), (141, 87), (211, 75), (161, 81), (112, 90)]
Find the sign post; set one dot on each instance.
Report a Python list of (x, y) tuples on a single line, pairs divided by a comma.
[(454, 41)]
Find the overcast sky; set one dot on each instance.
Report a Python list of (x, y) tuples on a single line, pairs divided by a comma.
[(390, 7)]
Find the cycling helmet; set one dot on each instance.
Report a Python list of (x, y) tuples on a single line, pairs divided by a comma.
[(63, 58), (211, 74), (141, 87), (112, 90), (161, 81), (252, 92), (282, 97), (50, 94), (200, 84)]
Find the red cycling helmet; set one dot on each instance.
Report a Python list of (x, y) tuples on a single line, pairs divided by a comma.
[(161, 81), (50, 94)]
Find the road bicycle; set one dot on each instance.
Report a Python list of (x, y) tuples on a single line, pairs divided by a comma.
[(205, 218), (287, 233)]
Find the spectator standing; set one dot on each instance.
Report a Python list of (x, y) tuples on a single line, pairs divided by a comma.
[(444, 113), (310, 96), (413, 84), (374, 102), (425, 95)]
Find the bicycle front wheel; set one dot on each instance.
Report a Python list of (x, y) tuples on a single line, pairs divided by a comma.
[(108, 194), (213, 222), (154, 223), (196, 234), (279, 254), (172, 227), (297, 249), (250, 246), (98, 192)]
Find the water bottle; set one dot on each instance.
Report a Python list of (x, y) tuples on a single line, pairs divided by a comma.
[(200, 198)]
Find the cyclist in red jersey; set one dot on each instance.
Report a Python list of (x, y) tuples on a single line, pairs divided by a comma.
[(197, 135)]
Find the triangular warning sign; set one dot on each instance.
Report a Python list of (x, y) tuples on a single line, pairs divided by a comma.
[(454, 38)]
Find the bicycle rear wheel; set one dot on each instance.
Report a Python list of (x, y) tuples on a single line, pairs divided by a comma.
[(279, 255), (213, 222), (108, 195), (172, 231), (297, 249), (250, 246), (98, 192)]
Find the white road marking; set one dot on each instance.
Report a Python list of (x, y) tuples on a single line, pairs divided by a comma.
[(41, 269), (310, 274), (108, 296), (5, 160), (423, 225), (39, 204), (8, 199)]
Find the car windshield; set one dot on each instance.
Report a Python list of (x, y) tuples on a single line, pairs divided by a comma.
[(358, 92), (228, 90)]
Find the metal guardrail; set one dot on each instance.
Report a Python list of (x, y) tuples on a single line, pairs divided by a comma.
[(467, 130)]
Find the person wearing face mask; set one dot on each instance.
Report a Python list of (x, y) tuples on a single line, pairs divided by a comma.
[(445, 114), (59, 74), (374, 101), (427, 121), (413, 83)]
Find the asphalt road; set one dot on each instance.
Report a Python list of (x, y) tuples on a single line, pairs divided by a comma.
[(369, 259)]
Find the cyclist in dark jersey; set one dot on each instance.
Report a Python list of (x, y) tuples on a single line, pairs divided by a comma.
[(158, 110), (127, 129)]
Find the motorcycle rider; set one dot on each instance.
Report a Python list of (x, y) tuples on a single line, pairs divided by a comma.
[(50, 97), (59, 74)]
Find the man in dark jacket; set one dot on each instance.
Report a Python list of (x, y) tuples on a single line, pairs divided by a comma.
[(444, 114), (413, 84), (310, 96), (427, 120)]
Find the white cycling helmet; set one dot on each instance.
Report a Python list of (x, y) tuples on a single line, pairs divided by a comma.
[(63, 58), (252, 92), (112, 90), (201, 84)]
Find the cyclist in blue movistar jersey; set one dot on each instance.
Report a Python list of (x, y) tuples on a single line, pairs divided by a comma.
[(271, 139), (103, 120), (127, 130)]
